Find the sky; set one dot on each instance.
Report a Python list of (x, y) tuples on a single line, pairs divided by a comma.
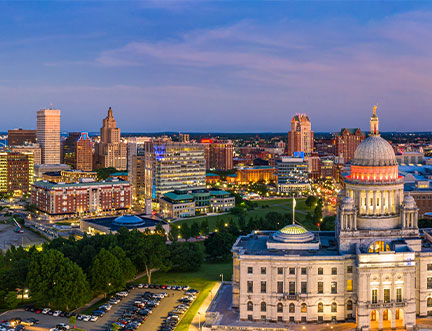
[(217, 66)]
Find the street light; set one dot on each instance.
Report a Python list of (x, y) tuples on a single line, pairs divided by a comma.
[(221, 275), (199, 321)]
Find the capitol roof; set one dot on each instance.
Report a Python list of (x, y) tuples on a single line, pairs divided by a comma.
[(374, 151)]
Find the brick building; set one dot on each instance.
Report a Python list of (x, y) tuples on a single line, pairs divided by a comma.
[(346, 142), (57, 199)]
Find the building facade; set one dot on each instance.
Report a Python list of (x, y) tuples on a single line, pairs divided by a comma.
[(301, 136), (346, 142), (16, 172), (48, 135), (374, 270), (292, 175), (85, 197), (173, 166), (246, 175), (218, 154), (110, 151), (35, 149), (21, 137), (84, 153)]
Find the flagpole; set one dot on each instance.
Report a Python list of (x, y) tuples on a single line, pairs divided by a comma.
[(294, 204)]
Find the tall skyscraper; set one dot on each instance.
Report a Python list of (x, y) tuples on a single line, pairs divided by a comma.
[(48, 135), (84, 153), (16, 172), (218, 154), (346, 142), (69, 149), (136, 164), (111, 151), (301, 136)]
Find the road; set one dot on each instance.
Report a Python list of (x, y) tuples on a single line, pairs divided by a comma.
[(151, 324)]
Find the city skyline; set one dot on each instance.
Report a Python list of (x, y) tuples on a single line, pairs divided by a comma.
[(217, 67)]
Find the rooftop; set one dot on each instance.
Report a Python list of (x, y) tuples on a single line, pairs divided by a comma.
[(50, 185)]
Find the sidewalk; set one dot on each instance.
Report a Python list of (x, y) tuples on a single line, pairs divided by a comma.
[(200, 315)]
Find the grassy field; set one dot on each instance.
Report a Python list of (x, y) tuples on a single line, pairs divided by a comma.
[(202, 280), (274, 205)]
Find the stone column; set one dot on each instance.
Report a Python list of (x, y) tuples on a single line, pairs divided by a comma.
[(380, 324), (393, 319), (374, 202), (367, 202)]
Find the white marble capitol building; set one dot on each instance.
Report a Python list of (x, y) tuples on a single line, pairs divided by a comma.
[(374, 270)]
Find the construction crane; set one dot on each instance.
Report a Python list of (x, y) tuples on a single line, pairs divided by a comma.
[(18, 227)]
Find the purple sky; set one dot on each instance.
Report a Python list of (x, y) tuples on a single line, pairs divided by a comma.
[(217, 66)]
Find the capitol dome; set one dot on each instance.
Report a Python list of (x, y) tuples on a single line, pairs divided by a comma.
[(374, 151), (293, 233)]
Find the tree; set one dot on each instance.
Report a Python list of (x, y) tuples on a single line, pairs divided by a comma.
[(185, 231), (155, 255), (218, 245), (72, 320), (311, 201), (126, 265), (195, 230), (328, 224), (106, 275), (233, 228), (56, 281), (186, 256), (204, 228), (104, 173), (174, 233)]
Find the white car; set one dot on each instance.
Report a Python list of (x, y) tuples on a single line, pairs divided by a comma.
[(94, 318), (122, 294), (185, 288), (140, 285), (46, 311), (57, 313), (86, 318), (64, 325)]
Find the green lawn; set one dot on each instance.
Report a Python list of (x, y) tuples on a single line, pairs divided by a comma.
[(202, 280), (275, 205)]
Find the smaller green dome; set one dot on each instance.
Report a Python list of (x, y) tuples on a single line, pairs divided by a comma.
[(293, 229)]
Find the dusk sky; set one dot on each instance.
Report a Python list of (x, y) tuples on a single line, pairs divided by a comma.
[(217, 66)]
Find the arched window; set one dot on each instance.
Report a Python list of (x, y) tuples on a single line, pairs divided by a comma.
[(349, 305), (320, 307), (263, 306), (379, 246), (280, 307), (250, 306), (429, 302), (303, 308), (292, 308), (334, 307)]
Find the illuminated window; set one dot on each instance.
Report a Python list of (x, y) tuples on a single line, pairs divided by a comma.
[(292, 308), (334, 307), (349, 305), (379, 246), (320, 307), (303, 308), (429, 302), (399, 295), (320, 287), (374, 295), (349, 286), (386, 295)]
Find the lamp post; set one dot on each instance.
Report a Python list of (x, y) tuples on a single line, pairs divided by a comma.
[(199, 321), (221, 275)]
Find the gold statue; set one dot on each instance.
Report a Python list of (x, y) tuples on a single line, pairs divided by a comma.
[(374, 109)]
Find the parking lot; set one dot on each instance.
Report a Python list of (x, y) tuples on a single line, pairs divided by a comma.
[(152, 323)]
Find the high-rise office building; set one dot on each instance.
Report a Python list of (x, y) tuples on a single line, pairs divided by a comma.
[(16, 172), (218, 154), (35, 149), (69, 149), (301, 136), (170, 166), (110, 151), (292, 174), (136, 165), (48, 135), (346, 142), (84, 153), (21, 137)]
